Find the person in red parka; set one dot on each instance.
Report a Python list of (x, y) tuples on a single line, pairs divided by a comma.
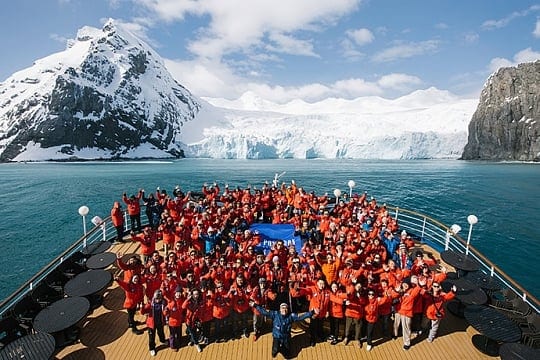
[(156, 312), (134, 298), (176, 318), (337, 302), (221, 311), (148, 242), (354, 313), (194, 306), (404, 308), (132, 267), (134, 210), (434, 309), (117, 218), (371, 314), (319, 301), (239, 295)]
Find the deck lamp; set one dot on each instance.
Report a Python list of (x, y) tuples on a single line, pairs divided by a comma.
[(337, 194), (472, 220), (454, 229), (83, 211), (351, 184)]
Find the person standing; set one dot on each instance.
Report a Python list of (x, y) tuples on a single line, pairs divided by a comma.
[(134, 210), (282, 322), (404, 309), (176, 318), (134, 292), (148, 242), (117, 218), (434, 309), (156, 311), (194, 306)]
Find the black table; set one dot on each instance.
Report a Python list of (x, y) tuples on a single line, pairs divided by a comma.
[(88, 283), (467, 293), (36, 346), (484, 281), (101, 261), (460, 261), (493, 325), (61, 314), (517, 351), (96, 248)]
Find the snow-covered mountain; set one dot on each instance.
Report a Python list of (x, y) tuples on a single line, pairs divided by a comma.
[(109, 95), (424, 124)]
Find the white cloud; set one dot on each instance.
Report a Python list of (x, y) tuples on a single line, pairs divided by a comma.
[(59, 38), (525, 55), (397, 81), (471, 37), (441, 26), (350, 52), (360, 36), (236, 25), (536, 31), (282, 43), (406, 50), (497, 24)]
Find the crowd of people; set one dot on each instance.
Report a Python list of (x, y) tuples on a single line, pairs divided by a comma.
[(355, 272)]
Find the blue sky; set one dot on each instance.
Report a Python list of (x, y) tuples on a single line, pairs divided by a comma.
[(288, 49)]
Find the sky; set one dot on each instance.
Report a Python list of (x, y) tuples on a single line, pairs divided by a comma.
[(283, 50)]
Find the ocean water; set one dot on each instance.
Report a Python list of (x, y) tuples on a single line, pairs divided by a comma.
[(39, 201)]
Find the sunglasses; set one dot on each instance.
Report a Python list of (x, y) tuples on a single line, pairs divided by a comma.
[(435, 286)]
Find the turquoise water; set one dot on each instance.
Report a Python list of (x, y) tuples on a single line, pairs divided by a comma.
[(39, 201)]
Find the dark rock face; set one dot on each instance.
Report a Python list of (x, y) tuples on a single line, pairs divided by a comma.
[(506, 124), (118, 99)]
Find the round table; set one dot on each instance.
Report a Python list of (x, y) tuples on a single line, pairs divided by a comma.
[(96, 248), (493, 325), (517, 351), (101, 261), (484, 281), (88, 283), (61, 314), (35, 346), (460, 261)]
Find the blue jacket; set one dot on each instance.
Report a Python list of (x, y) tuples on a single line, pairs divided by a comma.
[(281, 325)]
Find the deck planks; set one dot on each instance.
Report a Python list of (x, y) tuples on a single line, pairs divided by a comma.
[(105, 335)]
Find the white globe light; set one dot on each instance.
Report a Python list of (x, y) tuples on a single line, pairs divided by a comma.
[(351, 183), (455, 229), (84, 210), (337, 193), (472, 219)]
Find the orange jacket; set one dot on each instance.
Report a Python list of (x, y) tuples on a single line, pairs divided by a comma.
[(221, 305), (355, 307), (133, 205), (406, 305), (434, 304), (318, 299), (134, 293), (117, 216), (148, 242), (336, 304), (372, 310), (176, 312)]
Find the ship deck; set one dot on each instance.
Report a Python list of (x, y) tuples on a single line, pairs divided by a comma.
[(104, 335)]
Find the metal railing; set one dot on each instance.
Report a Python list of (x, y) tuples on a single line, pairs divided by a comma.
[(440, 237), (100, 232), (427, 230)]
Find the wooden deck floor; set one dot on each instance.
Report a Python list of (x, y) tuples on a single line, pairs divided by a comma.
[(105, 335)]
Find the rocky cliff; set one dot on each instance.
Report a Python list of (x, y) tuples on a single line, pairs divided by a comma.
[(506, 124)]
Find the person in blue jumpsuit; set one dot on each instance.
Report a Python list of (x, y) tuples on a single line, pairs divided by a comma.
[(282, 321)]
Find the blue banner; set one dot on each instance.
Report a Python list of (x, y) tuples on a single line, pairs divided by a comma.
[(270, 233)]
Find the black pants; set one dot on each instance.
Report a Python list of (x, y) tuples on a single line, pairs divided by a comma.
[(152, 336), (369, 332), (131, 317), (316, 329), (119, 232), (335, 324), (281, 345), (175, 336), (135, 221)]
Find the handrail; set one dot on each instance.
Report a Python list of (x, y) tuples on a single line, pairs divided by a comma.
[(460, 245), (91, 237), (431, 230)]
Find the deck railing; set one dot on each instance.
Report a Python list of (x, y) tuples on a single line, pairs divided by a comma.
[(425, 229), (440, 237), (101, 232)]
